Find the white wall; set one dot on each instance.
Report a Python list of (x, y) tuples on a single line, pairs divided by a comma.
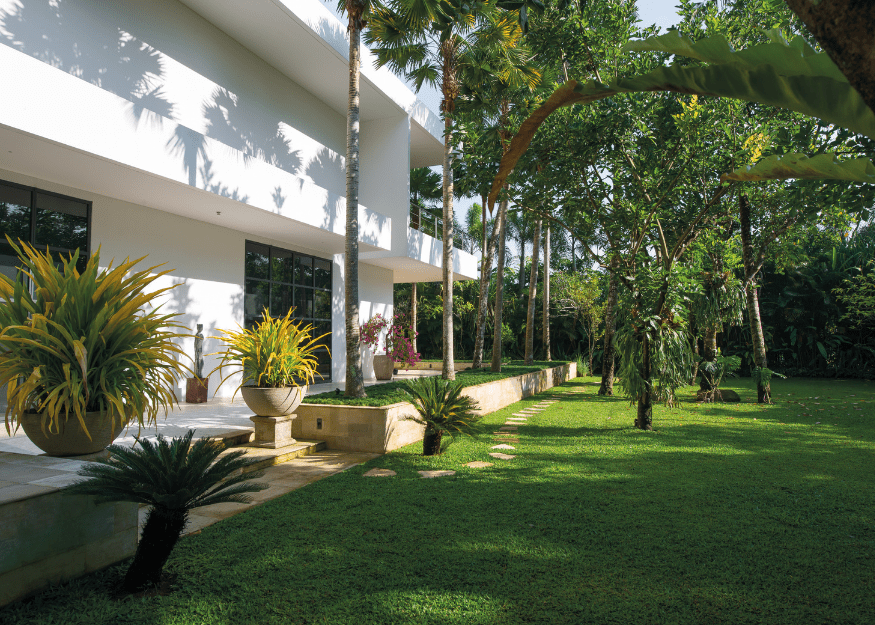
[(385, 173)]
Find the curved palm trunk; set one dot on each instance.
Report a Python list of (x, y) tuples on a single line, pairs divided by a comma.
[(160, 534), (449, 370), (545, 320), (499, 288), (607, 385), (533, 291), (355, 383), (764, 391), (485, 274)]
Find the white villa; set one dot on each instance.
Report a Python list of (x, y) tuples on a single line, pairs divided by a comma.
[(210, 135)]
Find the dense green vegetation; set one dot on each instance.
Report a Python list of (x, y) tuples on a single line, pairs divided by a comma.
[(739, 513), (393, 392)]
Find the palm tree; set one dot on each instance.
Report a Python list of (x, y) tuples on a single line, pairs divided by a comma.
[(358, 12), (442, 409), (173, 478)]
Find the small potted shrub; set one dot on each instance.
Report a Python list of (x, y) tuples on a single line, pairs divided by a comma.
[(277, 362), (399, 346), (442, 409), (82, 356)]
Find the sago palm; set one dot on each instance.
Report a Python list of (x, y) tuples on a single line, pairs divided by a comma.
[(442, 409), (173, 477)]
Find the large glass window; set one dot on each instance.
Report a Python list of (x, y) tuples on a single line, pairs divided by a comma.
[(282, 280), (43, 219)]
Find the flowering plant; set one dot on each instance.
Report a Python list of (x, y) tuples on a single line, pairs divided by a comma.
[(399, 343)]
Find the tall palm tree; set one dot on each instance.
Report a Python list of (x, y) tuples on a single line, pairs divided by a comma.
[(358, 12)]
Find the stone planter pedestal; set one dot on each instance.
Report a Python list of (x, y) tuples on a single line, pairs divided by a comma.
[(273, 432)]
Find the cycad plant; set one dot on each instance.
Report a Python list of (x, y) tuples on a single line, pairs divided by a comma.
[(442, 409), (173, 477), (85, 342)]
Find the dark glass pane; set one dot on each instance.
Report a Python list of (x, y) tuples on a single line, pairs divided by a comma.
[(257, 260), (322, 271), (61, 230), (322, 305), (303, 302), (14, 213), (304, 270), (323, 327), (256, 298), (66, 206), (280, 265), (280, 300)]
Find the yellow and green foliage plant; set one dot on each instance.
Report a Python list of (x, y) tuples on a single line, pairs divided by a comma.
[(277, 352), (85, 342)]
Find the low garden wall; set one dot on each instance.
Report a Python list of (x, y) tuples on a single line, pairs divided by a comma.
[(384, 428)]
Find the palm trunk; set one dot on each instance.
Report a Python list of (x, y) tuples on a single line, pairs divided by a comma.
[(160, 534), (431, 442), (695, 342), (764, 391), (355, 383), (449, 370), (644, 418), (607, 385), (521, 276), (413, 316), (709, 354), (533, 291), (545, 320), (499, 288), (485, 274)]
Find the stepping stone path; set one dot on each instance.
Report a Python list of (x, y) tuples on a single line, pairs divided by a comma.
[(501, 456), (512, 428), (429, 474), (502, 446), (478, 464), (517, 419), (522, 414), (507, 439), (380, 473)]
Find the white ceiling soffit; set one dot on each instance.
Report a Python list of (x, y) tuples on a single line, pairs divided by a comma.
[(305, 41), (425, 150)]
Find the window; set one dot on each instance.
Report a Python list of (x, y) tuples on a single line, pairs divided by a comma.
[(280, 280), (43, 219)]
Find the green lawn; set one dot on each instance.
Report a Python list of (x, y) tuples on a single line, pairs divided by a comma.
[(724, 514)]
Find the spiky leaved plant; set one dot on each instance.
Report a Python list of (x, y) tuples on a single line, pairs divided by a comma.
[(442, 409), (173, 478)]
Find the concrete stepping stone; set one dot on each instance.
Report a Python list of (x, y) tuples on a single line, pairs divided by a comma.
[(502, 456), (502, 446), (380, 473), (517, 419), (479, 464), (523, 414), (430, 474), (508, 428), (507, 439)]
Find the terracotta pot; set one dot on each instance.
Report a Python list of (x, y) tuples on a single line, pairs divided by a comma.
[(273, 402), (70, 439), (383, 366)]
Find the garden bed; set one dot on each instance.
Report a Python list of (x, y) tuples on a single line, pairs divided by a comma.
[(382, 428)]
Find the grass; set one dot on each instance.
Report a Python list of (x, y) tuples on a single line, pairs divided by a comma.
[(393, 392), (727, 513)]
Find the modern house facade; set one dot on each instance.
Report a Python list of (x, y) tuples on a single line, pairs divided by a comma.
[(210, 136)]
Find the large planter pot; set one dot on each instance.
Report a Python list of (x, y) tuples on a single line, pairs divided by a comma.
[(383, 366), (70, 439), (273, 402)]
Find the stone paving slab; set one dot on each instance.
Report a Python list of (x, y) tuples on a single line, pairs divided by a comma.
[(502, 446), (507, 429), (479, 464), (523, 414), (380, 473), (430, 474), (502, 456)]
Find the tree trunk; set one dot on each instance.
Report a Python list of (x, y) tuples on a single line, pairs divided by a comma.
[(696, 361), (413, 316), (499, 288), (607, 385), (764, 391), (355, 381), (707, 382), (160, 534), (521, 276), (431, 442), (545, 320), (533, 291), (573, 256), (644, 418), (449, 370), (485, 274)]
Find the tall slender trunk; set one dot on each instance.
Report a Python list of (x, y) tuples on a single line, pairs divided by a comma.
[(499, 287), (483, 200), (413, 316), (695, 343), (573, 255), (760, 359), (355, 382), (533, 291), (709, 354), (521, 276), (644, 417), (449, 370), (485, 274), (607, 385), (545, 320)]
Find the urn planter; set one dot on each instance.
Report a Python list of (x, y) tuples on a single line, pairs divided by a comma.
[(383, 366), (70, 439), (273, 402)]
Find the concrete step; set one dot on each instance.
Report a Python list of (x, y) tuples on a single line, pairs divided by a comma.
[(265, 457), (235, 437)]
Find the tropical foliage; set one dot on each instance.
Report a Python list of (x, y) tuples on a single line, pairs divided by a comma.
[(442, 409)]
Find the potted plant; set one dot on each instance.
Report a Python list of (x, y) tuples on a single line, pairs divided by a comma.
[(399, 345), (80, 353), (442, 409), (277, 362)]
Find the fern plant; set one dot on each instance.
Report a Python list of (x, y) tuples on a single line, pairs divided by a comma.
[(442, 409), (85, 342), (277, 352), (173, 477)]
